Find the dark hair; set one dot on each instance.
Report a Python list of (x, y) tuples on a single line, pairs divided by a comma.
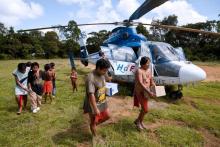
[(28, 64), (34, 64), (47, 67), (101, 53), (102, 63), (52, 64), (73, 68), (144, 60), (21, 67)]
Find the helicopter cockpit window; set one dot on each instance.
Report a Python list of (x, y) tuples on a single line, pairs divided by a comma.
[(164, 53)]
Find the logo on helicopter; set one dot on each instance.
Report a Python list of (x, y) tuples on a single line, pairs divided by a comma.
[(123, 68)]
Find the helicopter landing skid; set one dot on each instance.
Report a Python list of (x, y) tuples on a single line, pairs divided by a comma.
[(174, 94)]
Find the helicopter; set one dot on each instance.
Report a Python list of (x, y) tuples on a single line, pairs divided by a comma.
[(125, 47)]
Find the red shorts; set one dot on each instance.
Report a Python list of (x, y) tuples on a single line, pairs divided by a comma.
[(140, 99), (48, 87), (104, 115)]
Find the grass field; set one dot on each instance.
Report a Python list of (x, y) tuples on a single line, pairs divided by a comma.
[(192, 121)]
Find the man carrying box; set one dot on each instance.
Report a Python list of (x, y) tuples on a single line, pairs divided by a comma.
[(143, 82), (95, 102)]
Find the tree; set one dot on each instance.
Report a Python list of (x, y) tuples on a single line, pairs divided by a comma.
[(71, 33), (50, 44), (96, 39), (159, 34), (142, 30), (3, 29), (170, 20)]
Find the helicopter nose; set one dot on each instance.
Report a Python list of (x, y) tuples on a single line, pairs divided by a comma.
[(191, 73)]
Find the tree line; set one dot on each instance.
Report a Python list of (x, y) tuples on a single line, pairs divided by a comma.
[(35, 44)]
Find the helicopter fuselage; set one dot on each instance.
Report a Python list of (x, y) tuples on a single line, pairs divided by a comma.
[(125, 47)]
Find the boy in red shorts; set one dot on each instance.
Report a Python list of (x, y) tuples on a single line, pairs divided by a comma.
[(95, 102), (48, 85), (143, 82)]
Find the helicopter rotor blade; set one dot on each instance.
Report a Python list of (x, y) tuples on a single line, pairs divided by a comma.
[(147, 6), (182, 29), (60, 26), (131, 23)]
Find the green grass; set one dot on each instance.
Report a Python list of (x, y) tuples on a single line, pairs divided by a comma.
[(176, 136), (62, 123)]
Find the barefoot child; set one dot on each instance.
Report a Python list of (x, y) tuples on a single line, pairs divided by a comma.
[(143, 82), (73, 78), (21, 90), (53, 79), (48, 86), (95, 103)]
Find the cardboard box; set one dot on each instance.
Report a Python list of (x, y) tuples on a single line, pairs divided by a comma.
[(158, 90), (111, 88)]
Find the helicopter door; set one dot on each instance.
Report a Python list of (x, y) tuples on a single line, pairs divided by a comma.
[(144, 50)]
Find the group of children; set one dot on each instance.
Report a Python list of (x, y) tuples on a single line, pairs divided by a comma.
[(32, 81)]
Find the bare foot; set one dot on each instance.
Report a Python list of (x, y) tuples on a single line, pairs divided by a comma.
[(138, 125), (143, 126)]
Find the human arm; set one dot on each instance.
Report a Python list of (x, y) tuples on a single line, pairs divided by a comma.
[(140, 80), (92, 100), (19, 83), (90, 90)]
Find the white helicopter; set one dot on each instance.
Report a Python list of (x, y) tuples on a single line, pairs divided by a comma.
[(124, 48)]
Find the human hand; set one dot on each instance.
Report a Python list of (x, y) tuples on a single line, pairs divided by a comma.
[(97, 112), (153, 95)]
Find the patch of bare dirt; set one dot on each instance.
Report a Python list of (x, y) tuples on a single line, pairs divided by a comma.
[(84, 144), (213, 72), (123, 107), (210, 139)]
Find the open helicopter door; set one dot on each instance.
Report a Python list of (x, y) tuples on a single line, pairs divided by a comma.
[(180, 53), (144, 50), (83, 50)]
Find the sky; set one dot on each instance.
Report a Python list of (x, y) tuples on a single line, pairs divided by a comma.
[(26, 14)]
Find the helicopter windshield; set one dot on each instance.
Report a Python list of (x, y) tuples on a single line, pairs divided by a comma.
[(164, 52)]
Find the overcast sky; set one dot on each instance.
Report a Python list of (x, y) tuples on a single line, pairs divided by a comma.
[(25, 14)]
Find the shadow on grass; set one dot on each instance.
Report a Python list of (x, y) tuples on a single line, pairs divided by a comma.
[(125, 89), (77, 133)]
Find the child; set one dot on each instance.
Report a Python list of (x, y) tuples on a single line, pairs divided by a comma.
[(21, 90), (143, 82), (73, 78), (48, 86), (35, 86), (52, 65), (95, 103)]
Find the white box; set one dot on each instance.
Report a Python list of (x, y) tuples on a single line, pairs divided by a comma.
[(158, 90), (111, 88)]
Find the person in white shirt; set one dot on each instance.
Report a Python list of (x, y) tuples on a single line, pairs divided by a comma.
[(21, 90)]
